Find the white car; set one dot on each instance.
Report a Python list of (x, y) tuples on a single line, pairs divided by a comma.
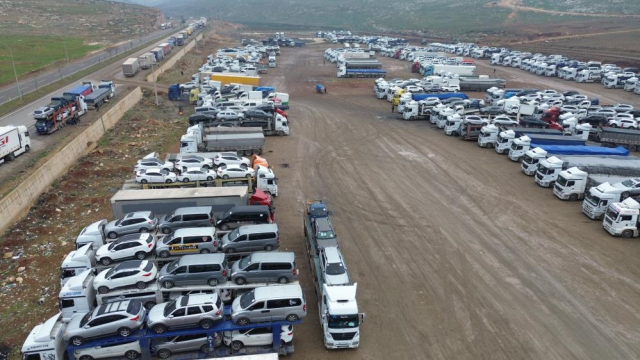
[(194, 161), (235, 171), (227, 159), (152, 161), (623, 123), (256, 337), (129, 350), (136, 273), (155, 175), (188, 85), (133, 246), (334, 270), (197, 174), (622, 107)]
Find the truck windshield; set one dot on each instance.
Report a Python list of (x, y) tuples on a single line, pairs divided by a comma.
[(612, 214), (544, 170), (326, 235), (343, 321), (527, 159), (561, 181), (592, 199)]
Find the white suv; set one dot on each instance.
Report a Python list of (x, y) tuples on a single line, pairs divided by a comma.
[(133, 246), (334, 270), (190, 161), (128, 273), (155, 175), (129, 350), (221, 160), (256, 337)]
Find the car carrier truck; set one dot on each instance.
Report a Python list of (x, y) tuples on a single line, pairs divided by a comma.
[(337, 305)]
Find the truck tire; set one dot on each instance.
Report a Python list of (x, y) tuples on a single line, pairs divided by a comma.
[(27, 148), (627, 234), (573, 197), (625, 195)]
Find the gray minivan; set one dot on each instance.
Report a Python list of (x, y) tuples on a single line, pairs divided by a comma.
[(200, 269), (251, 238), (195, 216), (265, 267), (269, 303)]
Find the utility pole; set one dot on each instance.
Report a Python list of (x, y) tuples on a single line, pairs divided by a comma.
[(15, 73), (155, 90)]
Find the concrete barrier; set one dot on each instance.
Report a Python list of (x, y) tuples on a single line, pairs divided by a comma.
[(174, 59), (17, 202)]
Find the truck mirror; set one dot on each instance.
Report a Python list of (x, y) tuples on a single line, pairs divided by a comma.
[(362, 316)]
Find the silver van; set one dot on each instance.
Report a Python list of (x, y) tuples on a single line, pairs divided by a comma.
[(188, 241), (269, 303), (251, 238), (187, 217), (265, 267), (201, 269)]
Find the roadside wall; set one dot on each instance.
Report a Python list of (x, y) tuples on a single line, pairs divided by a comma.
[(17, 202), (174, 59)]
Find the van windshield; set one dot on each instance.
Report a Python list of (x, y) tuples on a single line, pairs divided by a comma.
[(246, 261), (247, 299), (234, 234), (173, 265)]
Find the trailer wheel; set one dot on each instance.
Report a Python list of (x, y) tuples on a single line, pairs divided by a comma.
[(627, 234)]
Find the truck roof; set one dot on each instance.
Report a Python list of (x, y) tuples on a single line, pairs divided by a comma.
[(77, 283), (574, 172), (342, 299), (83, 254), (46, 332), (202, 192)]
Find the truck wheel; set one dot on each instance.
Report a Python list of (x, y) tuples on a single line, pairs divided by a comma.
[(10, 157), (27, 148), (627, 234), (573, 197), (625, 195), (280, 133)]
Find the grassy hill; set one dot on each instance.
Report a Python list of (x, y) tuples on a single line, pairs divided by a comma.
[(37, 31), (587, 6)]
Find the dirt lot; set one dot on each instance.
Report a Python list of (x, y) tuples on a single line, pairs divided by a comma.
[(457, 255)]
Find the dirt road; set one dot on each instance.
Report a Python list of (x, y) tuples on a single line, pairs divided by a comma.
[(457, 255)]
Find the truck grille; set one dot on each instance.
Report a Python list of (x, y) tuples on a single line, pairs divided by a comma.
[(540, 176), (343, 336), (608, 221), (558, 188)]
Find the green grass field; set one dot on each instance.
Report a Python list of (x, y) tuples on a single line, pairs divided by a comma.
[(31, 52)]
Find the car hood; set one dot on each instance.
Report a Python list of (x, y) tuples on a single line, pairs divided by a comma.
[(156, 313), (103, 250), (235, 305), (100, 279), (110, 225), (74, 325)]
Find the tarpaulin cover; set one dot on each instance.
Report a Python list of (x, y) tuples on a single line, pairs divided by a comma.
[(582, 150)]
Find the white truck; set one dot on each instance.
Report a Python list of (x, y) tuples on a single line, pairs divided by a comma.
[(77, 261), (504, 140), (598, 198), (77, 296), (14, 140), (488, 136), (45, 341), (531, 159), (621, 219), (570, 184), (549, 169)]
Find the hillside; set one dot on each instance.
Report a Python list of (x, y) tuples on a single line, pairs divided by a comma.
[(587, 6), (42, 32)]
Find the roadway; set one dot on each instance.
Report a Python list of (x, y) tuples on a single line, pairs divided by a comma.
[(10, 91)]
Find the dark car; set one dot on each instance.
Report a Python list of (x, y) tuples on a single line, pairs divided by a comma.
[(570, 93), (595, 121), (252, 113), (450, 100), (202, 118), (492, 110), (533, 122)]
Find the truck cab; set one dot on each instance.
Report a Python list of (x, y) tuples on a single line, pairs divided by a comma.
[(621, 219), (45, 341), (504, 140), (531, 160), (570, 184), (77, 262), (77, 296), (488, 136), (92, 234), (452, 125), (519, 147), (266, 180), (548, 171), (339, 317)]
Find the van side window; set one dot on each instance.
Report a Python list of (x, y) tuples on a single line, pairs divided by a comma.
[(258, 305), (282, 303), (276, 266), (180, 270), (196, 239), (193, 269), (253, 267), (195, 217)]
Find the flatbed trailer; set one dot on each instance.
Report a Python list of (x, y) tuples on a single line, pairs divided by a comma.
[(145, 336)]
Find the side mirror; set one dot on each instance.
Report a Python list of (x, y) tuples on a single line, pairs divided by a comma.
[(362, 316), (86, 326)]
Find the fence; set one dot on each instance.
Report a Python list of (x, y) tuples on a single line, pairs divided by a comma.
[(17, 202)]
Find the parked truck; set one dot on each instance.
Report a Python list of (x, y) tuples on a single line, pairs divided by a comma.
[(98, 97), (522, 144), (621, 219), (14, 140), (130, 67), (461, 70), (337, 305), (158, 53), (533, 156), (629, 138), (505, 138), (164, 201), (573, 183), (597, 198), (549, 169), (245, 140), (344, 72), (146, 60), (360, 63), (481, 83), (61, 111), (235, 78)]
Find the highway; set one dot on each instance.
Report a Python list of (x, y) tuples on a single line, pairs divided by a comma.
[(10, 92)]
